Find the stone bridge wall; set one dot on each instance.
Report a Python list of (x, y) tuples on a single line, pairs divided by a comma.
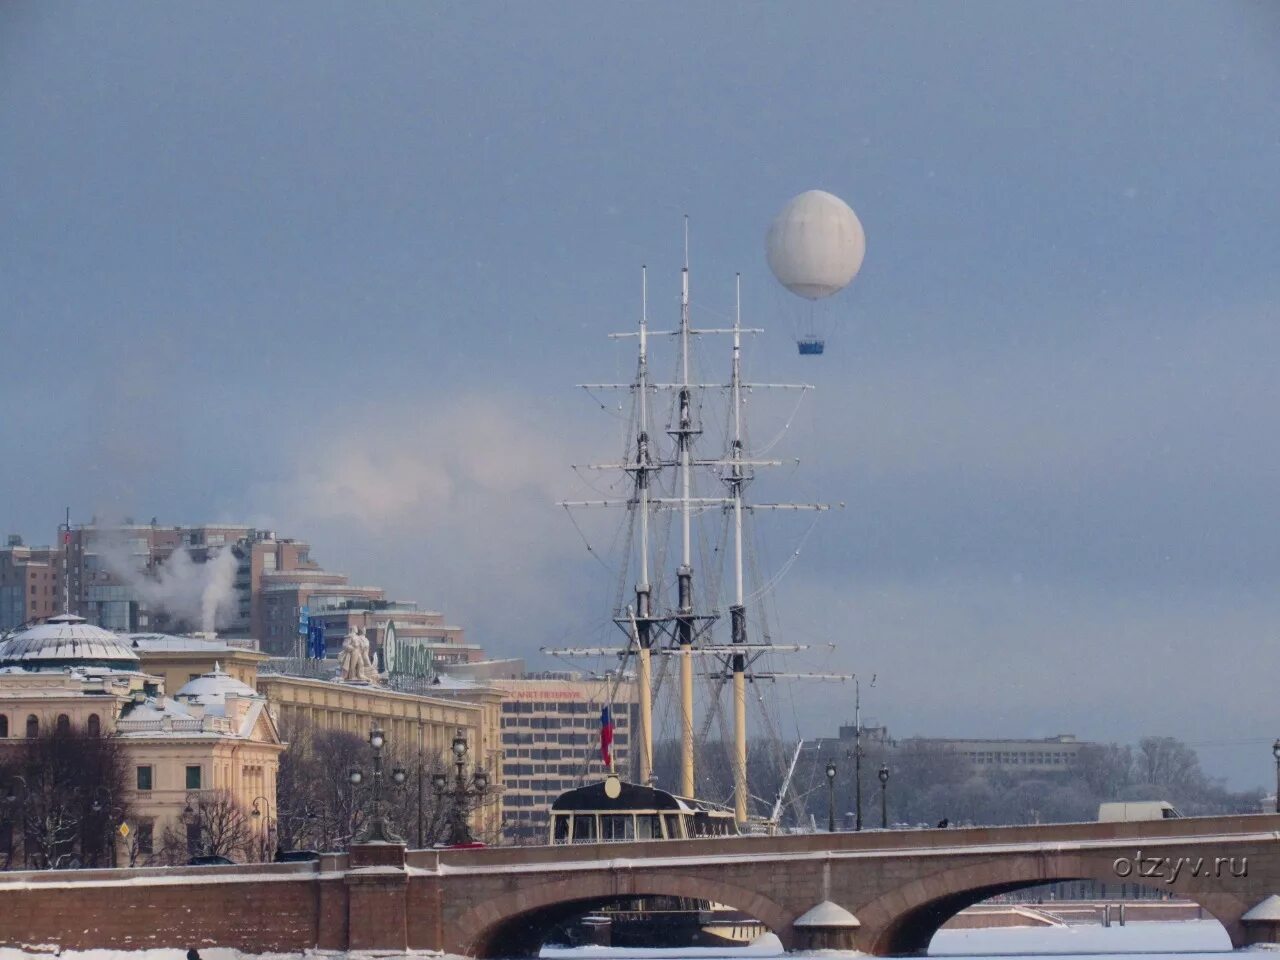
[(499, 902)]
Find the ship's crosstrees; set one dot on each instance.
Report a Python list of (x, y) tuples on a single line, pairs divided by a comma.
[(686, 471)]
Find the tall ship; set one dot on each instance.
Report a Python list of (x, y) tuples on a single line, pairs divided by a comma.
[(681, 487)]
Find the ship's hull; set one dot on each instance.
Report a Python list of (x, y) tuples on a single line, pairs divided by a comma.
[(664, 923)]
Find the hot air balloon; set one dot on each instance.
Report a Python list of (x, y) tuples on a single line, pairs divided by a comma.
[(815, 247)]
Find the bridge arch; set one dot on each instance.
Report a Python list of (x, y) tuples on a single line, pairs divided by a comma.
[(905, 919), (515, 924)]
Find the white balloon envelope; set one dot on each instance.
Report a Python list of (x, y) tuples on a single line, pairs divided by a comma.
[(815, 245)]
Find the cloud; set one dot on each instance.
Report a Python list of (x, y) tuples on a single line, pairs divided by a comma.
[(447, 502)]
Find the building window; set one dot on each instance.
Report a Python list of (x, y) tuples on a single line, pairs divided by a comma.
[(4, 726), (33, 727), (193, 778), (144, 778), (63, 724), (146, 833), (94, 726)]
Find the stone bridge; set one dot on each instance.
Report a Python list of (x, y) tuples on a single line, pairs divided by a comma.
[(886, 893)]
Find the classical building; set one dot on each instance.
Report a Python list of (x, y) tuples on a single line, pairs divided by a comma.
[(214, 734), (410, 720), (179, 659)]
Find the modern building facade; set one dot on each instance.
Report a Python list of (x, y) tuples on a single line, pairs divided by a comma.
[(551, 742), (1032, 755), (1043, 755), (30, 583)]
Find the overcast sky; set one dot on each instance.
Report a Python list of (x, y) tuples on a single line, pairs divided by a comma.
[(335, 268)]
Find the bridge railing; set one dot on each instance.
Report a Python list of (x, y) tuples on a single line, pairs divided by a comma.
[(867, 840)]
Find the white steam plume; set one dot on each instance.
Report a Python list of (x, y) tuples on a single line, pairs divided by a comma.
[(200, 593)]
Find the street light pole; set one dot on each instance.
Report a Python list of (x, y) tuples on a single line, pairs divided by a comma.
[(378, 831), (421, 764), (831, 796), (266, 825), (1275, 752), (857, 749), (463, 793), (883, 774)]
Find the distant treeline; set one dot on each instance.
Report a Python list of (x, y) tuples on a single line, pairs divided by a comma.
[(929, 782)]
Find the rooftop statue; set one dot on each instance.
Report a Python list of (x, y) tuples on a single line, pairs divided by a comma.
[(354, 660)]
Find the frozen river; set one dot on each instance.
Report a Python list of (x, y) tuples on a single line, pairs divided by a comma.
[(1184, 940)]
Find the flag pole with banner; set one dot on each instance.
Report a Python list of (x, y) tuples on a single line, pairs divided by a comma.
[(606, 738)]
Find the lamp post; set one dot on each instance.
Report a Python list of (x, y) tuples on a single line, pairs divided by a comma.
[(102, 801), (1275, 752), (266, 825), (191, 818), (856, 753), (13, 802), (831, 796), (378, 830), (883, 774), (463, 794)]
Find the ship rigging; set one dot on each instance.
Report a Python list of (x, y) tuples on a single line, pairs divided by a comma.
[(670, 483)]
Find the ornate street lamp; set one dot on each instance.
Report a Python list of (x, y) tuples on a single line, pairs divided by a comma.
[(464, 794), (378, 830), (831, 796), (266, 824), (883, 774)]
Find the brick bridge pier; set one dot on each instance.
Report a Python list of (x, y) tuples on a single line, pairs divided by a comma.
[(884, 893)]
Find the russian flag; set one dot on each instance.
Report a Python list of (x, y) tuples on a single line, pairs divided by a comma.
[(606, 737)]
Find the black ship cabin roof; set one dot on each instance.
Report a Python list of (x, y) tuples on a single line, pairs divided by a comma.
[(632, 796)]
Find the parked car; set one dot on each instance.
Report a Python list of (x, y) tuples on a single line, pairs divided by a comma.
[(210, 861), (296, 856)]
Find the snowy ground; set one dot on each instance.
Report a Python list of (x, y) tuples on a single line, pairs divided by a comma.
[(1187, 940), (1184, 940)]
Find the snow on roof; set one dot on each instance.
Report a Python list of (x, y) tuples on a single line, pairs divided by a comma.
[(158, 642), (827, 914), (211, 689), (66, 640), (1267, 909)]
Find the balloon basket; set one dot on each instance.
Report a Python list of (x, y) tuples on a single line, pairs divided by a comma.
[(811, 346)]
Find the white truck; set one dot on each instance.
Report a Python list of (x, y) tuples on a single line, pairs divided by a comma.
[(1140, 810)]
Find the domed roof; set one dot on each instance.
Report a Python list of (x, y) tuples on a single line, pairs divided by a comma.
[(212, 688), (66, 641)]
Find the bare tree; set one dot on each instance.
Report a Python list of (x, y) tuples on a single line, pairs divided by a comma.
[(318, 806), (62, 796), (217, 826)]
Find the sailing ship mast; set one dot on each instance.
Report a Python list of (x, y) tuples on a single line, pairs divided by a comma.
[(684, 625)]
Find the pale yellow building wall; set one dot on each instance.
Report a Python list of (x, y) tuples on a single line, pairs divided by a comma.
[(177, 667), (246, 768), (428, 723)]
